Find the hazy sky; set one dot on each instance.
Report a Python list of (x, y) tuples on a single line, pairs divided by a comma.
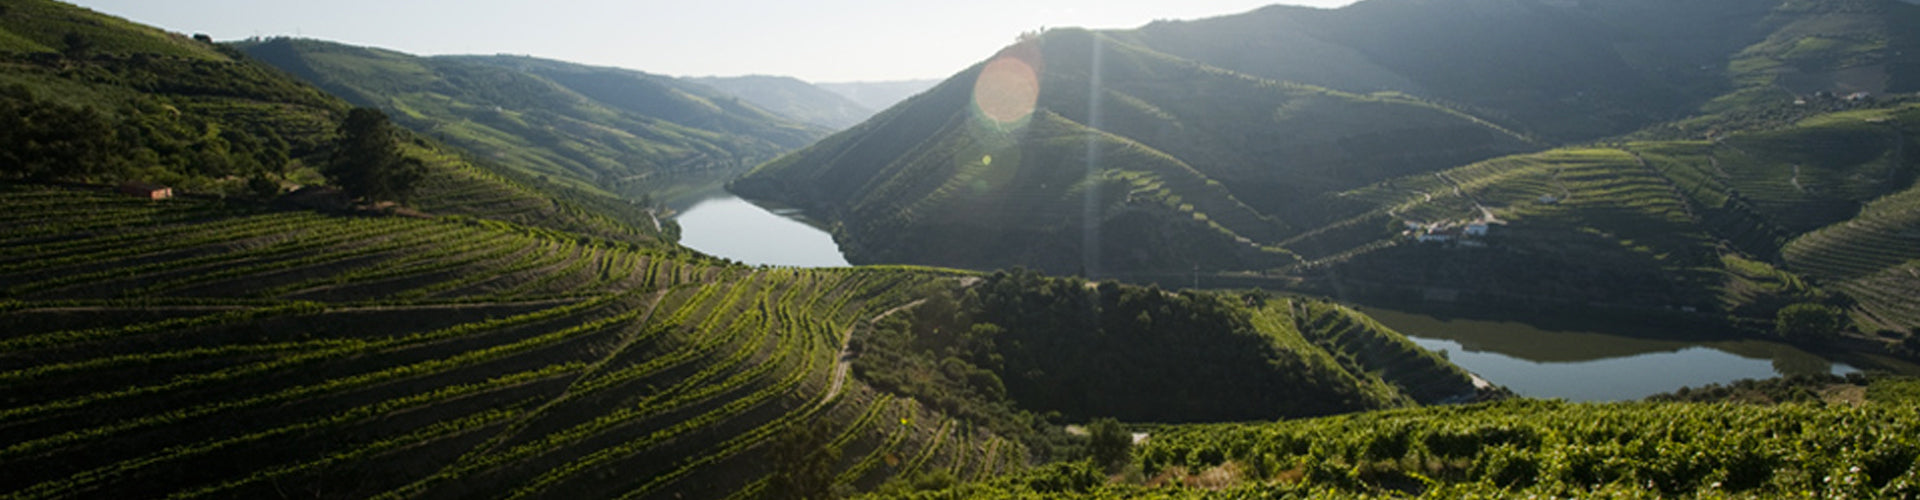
[(815, 40)]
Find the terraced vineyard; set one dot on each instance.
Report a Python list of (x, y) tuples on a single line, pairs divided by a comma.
[(1731, 225), (191, 348), (1863, 448)]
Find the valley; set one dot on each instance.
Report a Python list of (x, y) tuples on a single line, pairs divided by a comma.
[(1532, 361), (1398, 248)]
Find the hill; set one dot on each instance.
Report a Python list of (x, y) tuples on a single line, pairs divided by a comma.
[(1734, 229), (792, 98), (1566, 71), (196, 348), (95, 99), (227, 351), (1072, 152), (602, 130), (1766, 167)]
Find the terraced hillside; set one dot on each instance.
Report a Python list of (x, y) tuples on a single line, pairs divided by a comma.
[(1076, 152), (198, 349), (1745, 224), (1194, 148), (1567, 70)]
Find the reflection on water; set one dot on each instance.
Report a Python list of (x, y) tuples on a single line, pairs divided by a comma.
[(1588, 366), (733, 228)]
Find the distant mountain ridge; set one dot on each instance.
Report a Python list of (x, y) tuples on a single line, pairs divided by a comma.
[(792, 98), (878, 95), (1565, 71), (609, 130)]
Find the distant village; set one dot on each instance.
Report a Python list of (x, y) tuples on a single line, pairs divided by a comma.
[(1469, 234)]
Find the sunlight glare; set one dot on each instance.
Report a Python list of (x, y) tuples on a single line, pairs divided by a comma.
[(1006, 90)]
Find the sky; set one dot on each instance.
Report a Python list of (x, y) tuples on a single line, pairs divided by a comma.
[(814, 40)]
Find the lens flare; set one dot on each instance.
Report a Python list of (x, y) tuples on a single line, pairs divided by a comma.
[(1006, 91)]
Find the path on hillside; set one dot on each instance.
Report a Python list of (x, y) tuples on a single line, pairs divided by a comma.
[(844, 361), (1485, 213)]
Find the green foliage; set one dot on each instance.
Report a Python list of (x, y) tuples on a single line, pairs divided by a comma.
[(803, 465), (1523, 448), (44, 140), (47, 26), (1108, 444), (1133, 353), (1020, 354), (1795, 389), (1806, 322), (368, 162)]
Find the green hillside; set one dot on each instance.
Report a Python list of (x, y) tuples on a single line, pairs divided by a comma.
[(132, 103), (1860, 446), (1816, 212), (1153, 163), (522, 326), (791, 98), (1760, 160), (601, 130), (1573, 70), (225, 351), (194, 348)]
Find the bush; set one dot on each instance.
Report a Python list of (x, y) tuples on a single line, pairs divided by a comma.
[(1110, 445), (1809, 321)]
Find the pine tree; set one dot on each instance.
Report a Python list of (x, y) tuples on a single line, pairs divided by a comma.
[(367, 162)]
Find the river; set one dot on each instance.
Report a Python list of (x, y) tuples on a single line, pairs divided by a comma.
[(1533, 361), (1595, 366), (723, 225)]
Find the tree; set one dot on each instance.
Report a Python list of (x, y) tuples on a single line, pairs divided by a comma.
[(803, 460), (1809, 321), (75, 45), (1108, 443), (367, 161), (44, 140)]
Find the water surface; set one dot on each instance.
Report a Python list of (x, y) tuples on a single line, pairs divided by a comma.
[(1594, 366), (727, 226)]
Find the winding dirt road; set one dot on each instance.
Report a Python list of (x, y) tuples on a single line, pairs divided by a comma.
[(844, 361)]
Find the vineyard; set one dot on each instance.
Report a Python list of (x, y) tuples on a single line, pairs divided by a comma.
[(192, 348), (1521, 448), (1820, 211)]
